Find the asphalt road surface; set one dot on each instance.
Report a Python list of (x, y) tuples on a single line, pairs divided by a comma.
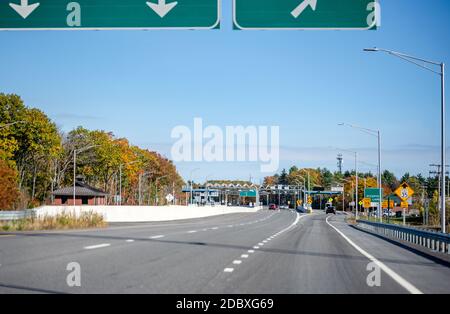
[(264, 252)]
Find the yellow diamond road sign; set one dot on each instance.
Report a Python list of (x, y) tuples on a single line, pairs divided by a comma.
[(404, 192)]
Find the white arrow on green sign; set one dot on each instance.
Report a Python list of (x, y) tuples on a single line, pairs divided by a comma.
[(109, 14), (306, 14)]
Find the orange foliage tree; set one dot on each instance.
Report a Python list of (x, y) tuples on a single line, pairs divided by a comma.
[(9, 192)]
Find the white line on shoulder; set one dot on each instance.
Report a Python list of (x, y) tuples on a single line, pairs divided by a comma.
[(396, 277)]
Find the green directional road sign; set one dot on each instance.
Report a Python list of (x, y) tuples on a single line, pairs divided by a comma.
[(373, 194), (251, 193), (306, 14), (109, 14)]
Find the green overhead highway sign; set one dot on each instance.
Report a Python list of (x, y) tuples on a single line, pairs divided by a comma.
[(306, 14), (109, 14)]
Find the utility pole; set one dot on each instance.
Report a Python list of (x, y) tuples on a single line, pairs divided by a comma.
[(441, 189)]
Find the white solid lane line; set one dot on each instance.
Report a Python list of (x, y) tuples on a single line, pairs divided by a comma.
[(157, 237), (396, 277), (244, 256), (130, 241), (237, 262), (98, 246), (228, 270), (192, 231)]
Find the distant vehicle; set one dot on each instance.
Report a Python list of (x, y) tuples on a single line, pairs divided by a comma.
[(284, 207), (330, 210), (388, 213), (273, 207)]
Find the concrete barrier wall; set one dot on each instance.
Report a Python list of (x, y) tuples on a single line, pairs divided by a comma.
[(144, 213)]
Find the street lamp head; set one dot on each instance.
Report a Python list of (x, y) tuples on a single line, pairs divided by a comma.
[(371, 49)]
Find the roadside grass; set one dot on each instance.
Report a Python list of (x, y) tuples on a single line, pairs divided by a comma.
[(64, 221)]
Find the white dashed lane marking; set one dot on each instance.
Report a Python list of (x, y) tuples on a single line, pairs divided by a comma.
[(104, 245), (98, 246), (257, 247)]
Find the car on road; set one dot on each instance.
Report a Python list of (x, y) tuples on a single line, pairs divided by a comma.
[(273, 207), (387, 213), (284, 207), (330, 210)]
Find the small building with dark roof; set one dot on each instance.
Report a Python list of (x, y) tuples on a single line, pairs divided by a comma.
[(84, 195)]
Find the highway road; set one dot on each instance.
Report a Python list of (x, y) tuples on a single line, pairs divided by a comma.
[(281, 252)]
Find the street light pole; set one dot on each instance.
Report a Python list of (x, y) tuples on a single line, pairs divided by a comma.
[(380, 186), (422, 63), (74, 175), (443, 147), (356, 170), (304, 190), (120, 185), (191, 196), (207, 188), (377, 134)]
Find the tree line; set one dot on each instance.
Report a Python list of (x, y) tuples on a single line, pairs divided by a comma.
[(36, 158)]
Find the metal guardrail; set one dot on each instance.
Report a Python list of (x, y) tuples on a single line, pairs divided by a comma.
[(436, 241), (16, 215)]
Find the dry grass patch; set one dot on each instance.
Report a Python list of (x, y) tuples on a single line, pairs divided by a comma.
[(59, 222)]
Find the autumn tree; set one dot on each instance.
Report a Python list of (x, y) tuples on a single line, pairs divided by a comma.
[(28, 144), (9, 192)]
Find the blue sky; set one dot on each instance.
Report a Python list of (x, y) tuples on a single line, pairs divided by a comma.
[(141, 84)]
